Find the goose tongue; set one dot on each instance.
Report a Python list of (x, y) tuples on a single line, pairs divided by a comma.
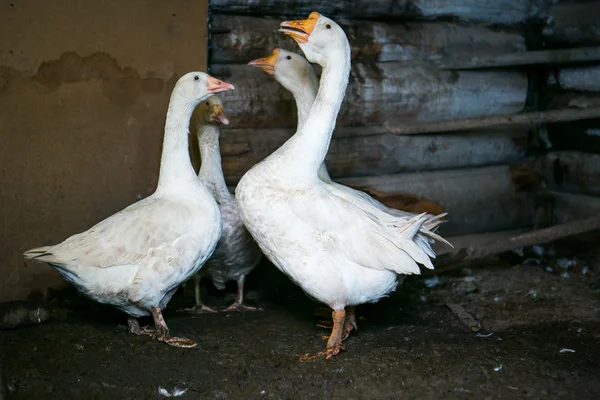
[(223, 119)]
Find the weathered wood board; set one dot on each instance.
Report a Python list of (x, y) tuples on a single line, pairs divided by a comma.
[(559, 99), (356, 152), (585, 78), (570, 207), (571, 171), (470, 240), (477, 200), (499, 11), (379, 94), (513, 60), (573, 23), (239, 39)]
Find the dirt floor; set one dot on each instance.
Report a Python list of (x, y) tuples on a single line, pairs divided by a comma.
[(539, 338)]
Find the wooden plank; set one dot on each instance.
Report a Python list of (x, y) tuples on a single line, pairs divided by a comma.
[(463, 241), (356, 153), (239, 38), (578, 78), (573, 23), (499, 11), (494, 246), (556, 99), (477, 200), (380, 94), (541, 117), (560, 56), (570, 207), (571, 171)]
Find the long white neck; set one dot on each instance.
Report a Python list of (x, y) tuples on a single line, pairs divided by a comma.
[(176, 168), (211, 171), (309, 145), (305, 92), (304, 95)]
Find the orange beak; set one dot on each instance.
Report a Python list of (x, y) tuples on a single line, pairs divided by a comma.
[(218, 86), (301, 29), (219, 114), (267, 64)]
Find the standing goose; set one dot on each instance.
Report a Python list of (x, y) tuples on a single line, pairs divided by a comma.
[(298, 76), (136, 259), (237, 253), (337, 251)]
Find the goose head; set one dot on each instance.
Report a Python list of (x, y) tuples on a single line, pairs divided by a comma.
[(320, 38), (194, 87), (211, 111), (290, 69)]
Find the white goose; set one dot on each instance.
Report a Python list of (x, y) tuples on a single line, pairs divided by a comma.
[(298, 76), (339, 252), (136, 259), (237, 254)]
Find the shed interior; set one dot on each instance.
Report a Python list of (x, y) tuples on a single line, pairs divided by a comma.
[(487, 110)]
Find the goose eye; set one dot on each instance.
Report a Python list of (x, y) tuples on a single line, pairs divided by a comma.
[(328, 26), (196, 78), (207, 103), (289, 57)]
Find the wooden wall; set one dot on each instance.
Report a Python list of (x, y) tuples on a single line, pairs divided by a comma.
[(483, 178), (571, 163)]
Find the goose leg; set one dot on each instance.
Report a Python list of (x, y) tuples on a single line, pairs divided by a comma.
[(162, 332), (334, 344), (239, 303), (349, 322), (134, 327), (199, 308)]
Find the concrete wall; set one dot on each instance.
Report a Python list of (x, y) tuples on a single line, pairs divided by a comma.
[(84, 87)]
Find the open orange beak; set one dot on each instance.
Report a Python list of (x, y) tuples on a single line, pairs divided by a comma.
[(218, 114), (267, 64), (217, 86), (300, 29)]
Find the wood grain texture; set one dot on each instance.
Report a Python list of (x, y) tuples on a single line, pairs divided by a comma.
[(521, 119), (585, 78), (539, 57), (498, 11), (477, 200), (379, 94), (357, 152), (239, 39), (560, 99)]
